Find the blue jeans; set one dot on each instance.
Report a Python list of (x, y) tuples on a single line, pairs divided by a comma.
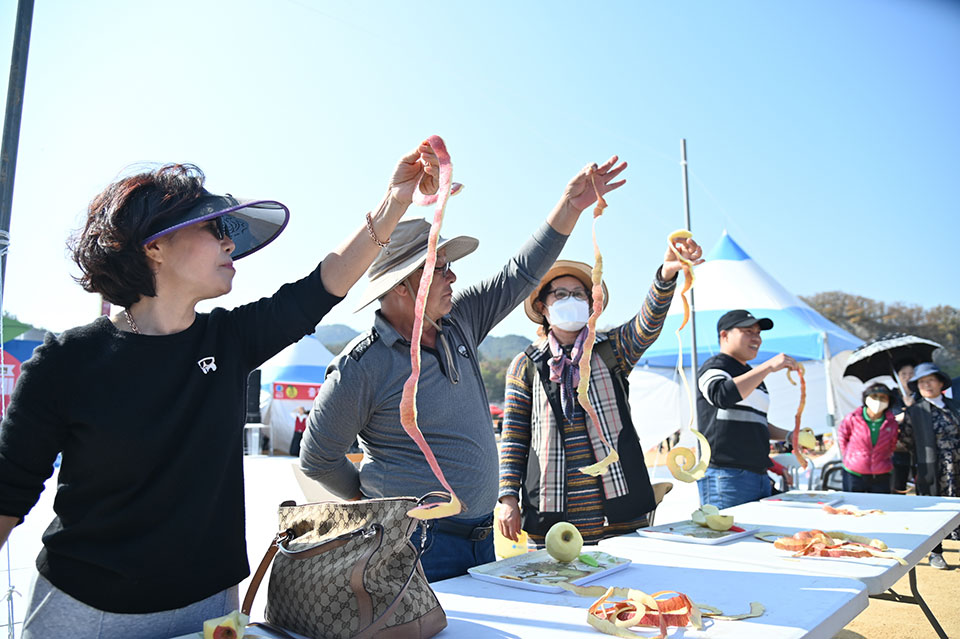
[(447, 555), (726, 487), (865, 483)]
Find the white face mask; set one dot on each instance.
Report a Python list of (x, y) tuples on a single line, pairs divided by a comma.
[(570, 314), (876, 405)]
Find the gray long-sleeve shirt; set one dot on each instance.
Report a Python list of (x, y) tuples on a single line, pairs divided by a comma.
[(361, 397)]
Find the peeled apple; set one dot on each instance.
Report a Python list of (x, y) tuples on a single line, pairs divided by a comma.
[(719, 522), (227, 627), (564, 541)]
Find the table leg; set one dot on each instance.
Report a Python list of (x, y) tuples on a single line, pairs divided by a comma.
[(915, 599)]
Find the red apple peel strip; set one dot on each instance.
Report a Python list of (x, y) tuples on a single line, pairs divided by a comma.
[(408, 403), (675, 611)]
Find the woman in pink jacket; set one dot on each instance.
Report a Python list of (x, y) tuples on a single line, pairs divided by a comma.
[(867, 437)]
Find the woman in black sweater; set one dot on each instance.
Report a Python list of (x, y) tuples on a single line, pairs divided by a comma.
[(148, 539)]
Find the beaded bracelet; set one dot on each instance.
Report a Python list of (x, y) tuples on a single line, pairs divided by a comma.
[(373, 235)]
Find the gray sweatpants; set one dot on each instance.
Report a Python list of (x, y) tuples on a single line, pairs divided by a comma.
[(53, 613)]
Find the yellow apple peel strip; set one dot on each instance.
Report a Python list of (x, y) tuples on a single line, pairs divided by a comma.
[(795, 439), (680, 460), (408, 401), (596, 278)]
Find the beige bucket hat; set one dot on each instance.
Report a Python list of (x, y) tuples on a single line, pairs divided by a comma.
[(406, 252), (560, 268)]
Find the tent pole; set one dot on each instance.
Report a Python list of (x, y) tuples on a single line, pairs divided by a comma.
[(831, 396), (11, 125), (693, 308)]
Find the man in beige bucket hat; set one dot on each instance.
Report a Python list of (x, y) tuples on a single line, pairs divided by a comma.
[(361, 394)]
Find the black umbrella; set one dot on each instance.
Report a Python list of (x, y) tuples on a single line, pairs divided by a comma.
[(877, 357)]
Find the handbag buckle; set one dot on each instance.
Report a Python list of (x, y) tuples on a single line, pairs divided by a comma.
[(371, 532)]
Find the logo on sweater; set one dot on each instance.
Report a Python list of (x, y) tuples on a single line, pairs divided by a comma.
[(207, 365)]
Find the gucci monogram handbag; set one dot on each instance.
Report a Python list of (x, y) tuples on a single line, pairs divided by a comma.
[(348, 570)]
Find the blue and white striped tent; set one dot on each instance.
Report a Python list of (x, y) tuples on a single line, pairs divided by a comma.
[(730, 279), (727, 280)]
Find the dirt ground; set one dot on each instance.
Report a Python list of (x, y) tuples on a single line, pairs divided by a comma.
[(889, 619)]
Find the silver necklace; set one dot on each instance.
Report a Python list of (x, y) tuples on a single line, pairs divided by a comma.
[(133, 325)]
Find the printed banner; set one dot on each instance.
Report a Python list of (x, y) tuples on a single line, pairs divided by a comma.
[(295, 391)]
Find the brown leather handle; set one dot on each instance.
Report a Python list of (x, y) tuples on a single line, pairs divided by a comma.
[(261, 571), (278, 545), (381, 621)]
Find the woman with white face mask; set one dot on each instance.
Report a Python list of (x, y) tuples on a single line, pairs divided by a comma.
[(547, 437), (867, 437)]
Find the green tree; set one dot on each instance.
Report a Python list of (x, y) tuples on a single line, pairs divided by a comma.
[(494, 372), (867, 318)]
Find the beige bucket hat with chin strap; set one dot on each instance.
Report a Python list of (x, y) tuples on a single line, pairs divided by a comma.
[(406, 252)]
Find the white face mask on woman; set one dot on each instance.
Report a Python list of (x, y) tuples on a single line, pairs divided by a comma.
[(876, 405), (569, 314)]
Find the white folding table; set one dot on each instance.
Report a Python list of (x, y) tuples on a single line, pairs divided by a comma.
[(797, 605), (911, 526)]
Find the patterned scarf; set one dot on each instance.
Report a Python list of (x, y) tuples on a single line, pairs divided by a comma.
[(547, 445), (565, 370)]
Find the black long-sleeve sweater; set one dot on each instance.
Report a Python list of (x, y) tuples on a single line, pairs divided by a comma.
[(150, 503)]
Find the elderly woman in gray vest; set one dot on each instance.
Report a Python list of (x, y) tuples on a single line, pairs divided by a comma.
[(547, 437), (931, 432)]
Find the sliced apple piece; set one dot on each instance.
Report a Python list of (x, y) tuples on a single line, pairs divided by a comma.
[(719, 522), (698, 517), (226, 627)]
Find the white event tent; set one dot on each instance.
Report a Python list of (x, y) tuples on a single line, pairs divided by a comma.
[(289, 379), (727, 280)]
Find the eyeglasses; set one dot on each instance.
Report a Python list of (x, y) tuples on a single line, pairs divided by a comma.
[(218, 228), (562, 294), (441, 271)]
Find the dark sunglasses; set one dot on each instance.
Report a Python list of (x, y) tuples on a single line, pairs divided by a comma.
[(218, 228)]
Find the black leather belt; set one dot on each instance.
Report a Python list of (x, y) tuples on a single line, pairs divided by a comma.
[(472, 532)]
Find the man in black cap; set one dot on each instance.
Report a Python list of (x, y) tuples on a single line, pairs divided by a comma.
[(732, 404)]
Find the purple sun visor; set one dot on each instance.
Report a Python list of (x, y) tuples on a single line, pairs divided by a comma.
[(251, 224)]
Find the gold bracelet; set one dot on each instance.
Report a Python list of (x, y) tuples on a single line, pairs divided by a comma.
[(373, 235)]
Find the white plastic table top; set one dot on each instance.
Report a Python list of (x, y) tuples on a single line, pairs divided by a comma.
[(817, 605), (911, 526)]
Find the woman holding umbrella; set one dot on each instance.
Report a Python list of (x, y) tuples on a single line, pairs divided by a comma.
[(931, 432)]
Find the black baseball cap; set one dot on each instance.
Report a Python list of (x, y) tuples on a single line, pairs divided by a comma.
[(741, 318)]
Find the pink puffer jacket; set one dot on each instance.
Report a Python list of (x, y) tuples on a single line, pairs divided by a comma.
[(856, 451)]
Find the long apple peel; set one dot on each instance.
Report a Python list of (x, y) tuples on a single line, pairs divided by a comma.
[(680, 461), (596, 278), (642, 610), (756, 608), (795, 438), (408, 403)]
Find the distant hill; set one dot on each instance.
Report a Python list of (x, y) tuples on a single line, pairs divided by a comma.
[(335, 336), (506, 347)]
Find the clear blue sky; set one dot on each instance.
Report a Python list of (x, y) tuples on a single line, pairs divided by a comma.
[(822, 135)]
